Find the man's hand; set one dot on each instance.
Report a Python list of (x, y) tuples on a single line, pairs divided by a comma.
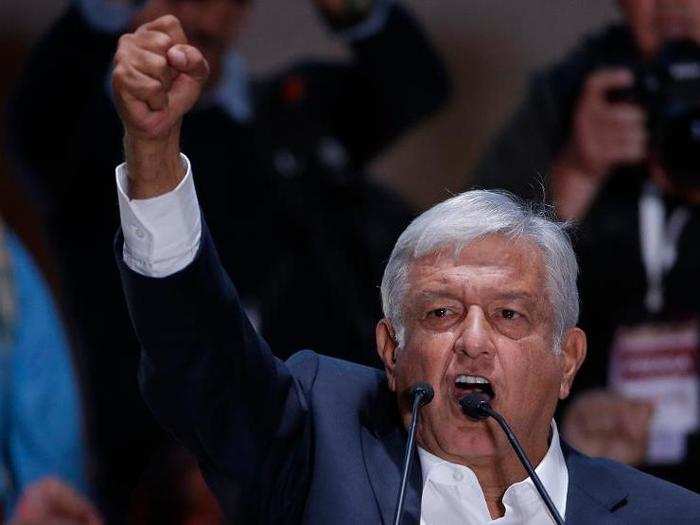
[(604, 134), (157, 78), (604, 424), (51, 502)]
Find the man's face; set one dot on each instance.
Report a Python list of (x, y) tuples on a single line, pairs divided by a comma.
[(484, 313), (212, 26), (654, 22)]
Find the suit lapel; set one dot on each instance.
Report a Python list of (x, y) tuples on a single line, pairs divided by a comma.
[(593, 492), (383, 443)]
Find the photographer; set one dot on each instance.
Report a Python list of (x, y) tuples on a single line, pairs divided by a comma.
[(616, 152)]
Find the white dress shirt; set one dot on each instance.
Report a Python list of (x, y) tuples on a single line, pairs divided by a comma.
[(452, 494), (161, 237)]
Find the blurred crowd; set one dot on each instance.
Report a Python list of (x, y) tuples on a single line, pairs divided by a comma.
[(608, 137)]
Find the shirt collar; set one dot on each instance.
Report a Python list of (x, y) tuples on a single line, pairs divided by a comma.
[(551, 470)]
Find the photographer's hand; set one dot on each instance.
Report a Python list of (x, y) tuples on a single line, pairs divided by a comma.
[(604, 134)]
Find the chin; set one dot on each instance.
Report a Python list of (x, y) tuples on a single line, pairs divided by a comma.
[(470, 441)]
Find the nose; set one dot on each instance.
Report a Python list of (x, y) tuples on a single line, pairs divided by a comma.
[(475, 338)]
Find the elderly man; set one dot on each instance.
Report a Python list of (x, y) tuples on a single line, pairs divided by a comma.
[(479, 294)]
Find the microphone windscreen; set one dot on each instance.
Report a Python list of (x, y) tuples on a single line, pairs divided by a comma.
[(475, 405), (424, 390)]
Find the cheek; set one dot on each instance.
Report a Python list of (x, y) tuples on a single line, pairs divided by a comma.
[(544, 381), (410, 368), (531, 370), (423, 358)]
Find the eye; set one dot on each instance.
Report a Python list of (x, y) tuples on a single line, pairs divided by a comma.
[(440, 313), (441, 317), (506, 313), (511, 323)]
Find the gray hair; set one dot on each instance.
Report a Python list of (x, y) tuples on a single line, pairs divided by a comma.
[(471, 216)]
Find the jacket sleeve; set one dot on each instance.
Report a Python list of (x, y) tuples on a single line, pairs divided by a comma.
[(395, 80), (212, 381)]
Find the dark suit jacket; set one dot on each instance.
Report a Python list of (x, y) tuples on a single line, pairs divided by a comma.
[(313, 440)]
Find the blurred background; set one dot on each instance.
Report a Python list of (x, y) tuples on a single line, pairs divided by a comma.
[(489, 47), (475, 61)]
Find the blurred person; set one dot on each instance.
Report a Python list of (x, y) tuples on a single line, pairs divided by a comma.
[(609, 133), (41, 416), (50, 501), (479, 298), (283, 181)]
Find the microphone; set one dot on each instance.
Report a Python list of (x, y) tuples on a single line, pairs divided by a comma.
[(477, 407), (420, 394)]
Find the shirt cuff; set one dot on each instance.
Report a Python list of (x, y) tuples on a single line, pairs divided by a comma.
[(106, 16), (372, 25), (161, 234)]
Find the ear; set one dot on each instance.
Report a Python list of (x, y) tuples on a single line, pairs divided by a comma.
[(573, 350), (386, 348)]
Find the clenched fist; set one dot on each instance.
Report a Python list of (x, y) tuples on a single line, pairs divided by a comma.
[(157, 78)]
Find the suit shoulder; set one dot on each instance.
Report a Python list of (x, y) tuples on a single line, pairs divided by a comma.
[(306, 360), (334, 377), (651, 495)]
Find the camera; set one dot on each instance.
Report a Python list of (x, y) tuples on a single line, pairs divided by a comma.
[(669, 90)]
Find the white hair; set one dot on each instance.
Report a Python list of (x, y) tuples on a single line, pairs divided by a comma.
[(471, 216)]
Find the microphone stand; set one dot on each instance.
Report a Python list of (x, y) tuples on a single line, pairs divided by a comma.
[(477, 407), (421, 394)]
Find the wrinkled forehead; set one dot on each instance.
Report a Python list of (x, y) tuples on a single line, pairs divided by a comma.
[(493, 262)]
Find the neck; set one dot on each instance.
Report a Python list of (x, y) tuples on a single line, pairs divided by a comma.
[(498, 471), (496, 476)]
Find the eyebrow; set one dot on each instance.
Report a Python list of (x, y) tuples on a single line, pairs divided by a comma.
[(517, 296), (430, 294)]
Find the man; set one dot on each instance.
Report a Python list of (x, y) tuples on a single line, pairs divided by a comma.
[(479, 294), (599, 150), (295, 217)]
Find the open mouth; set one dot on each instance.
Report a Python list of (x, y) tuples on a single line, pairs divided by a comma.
[(467, 384)]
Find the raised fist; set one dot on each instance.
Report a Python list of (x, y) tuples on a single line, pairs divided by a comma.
[(157, 78)]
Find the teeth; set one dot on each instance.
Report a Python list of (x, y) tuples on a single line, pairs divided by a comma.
[(462, 378)]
